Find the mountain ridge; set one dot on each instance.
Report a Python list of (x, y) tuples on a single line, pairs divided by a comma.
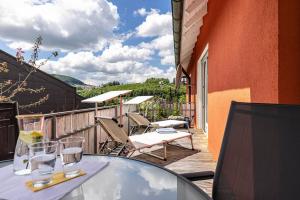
[(69, 80)]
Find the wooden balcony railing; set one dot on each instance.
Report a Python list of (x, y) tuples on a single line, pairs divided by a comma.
[(82, 123)]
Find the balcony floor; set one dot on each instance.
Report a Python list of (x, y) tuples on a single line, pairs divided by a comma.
[(182, 160)]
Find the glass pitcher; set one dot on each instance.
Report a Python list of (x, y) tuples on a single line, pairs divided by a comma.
[(30, 131)]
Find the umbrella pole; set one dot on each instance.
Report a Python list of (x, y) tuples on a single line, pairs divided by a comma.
[(96, 109)]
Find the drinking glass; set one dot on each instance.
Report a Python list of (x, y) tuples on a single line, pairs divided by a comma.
[(71, 150), (42, 158)]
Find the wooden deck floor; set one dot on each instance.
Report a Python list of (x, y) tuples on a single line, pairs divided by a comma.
[(183, 160)]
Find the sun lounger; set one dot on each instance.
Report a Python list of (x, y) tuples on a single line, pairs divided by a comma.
[(168, 123), (139, 142), (142, 122)]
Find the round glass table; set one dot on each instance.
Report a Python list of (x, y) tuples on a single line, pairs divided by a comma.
[(129, 179)]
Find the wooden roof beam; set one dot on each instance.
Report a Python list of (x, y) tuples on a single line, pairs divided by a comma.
[(187, 54), (197, 16), (193, 31), (192, 6)]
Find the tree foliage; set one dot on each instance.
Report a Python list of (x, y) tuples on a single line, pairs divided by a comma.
[(157, 87), (166, 99), (111, 83)]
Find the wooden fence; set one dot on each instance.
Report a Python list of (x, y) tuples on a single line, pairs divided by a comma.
[(167, 109), (187, 110), (82, 123), (75, 122)]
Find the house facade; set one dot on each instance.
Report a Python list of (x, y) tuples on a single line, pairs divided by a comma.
[(236, 50)]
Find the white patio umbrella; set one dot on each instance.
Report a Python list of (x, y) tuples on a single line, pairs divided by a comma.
[(138, 100), (106, 97)]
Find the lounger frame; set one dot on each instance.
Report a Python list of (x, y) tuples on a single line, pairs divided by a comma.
[(142, 122), (108, 125)]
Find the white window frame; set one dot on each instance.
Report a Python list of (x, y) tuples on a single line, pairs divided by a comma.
[(199, 106)]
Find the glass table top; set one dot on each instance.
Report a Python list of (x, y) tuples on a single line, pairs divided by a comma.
[(135, 180), (129, 179)]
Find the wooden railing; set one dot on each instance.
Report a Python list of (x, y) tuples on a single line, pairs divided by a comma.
[(187, 110), (82, 123), (182, 109)]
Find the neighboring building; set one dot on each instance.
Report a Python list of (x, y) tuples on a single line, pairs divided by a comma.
[(62, 97), (237, 50)]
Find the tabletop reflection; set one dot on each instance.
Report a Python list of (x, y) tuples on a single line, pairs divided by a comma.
[(133, 180)]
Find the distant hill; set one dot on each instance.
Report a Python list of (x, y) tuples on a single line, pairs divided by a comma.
[(158, 87), (69, 80)]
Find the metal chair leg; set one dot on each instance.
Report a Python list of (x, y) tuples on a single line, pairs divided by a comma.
[(132, 130), (146, 130), (103, 145), (191, 137), (165, 151), (131, 154)]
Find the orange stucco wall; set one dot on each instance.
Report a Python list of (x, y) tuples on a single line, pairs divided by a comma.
[(242, 58), (289, 51), (218, 112)]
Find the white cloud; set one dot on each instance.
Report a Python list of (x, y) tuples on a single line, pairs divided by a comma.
[(96, 70), (118, 52), (86, 28), (156, 183), (143, 12), (112, 193), (158, 26), (76, 25), (155, 24), (164, 46)]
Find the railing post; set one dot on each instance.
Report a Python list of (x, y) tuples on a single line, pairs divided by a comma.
[(53, 127), (152, 110), (116, 112), (95, 131), (190, 111), (71, 123)]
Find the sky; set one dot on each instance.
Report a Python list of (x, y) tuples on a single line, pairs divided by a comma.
[(98, 40)]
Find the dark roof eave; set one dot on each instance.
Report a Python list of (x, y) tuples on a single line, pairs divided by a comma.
[(177, 11)]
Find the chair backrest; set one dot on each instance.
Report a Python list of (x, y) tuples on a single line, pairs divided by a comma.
[(259, 157), (113, 130), (138, 119)]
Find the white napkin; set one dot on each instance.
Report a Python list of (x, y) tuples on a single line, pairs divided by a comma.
[(13, 187), (166, 130)]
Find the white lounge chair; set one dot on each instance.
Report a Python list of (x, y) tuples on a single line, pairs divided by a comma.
[(139, 142), (142, 122)]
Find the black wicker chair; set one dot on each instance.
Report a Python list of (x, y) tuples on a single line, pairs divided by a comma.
[(260, 156)]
